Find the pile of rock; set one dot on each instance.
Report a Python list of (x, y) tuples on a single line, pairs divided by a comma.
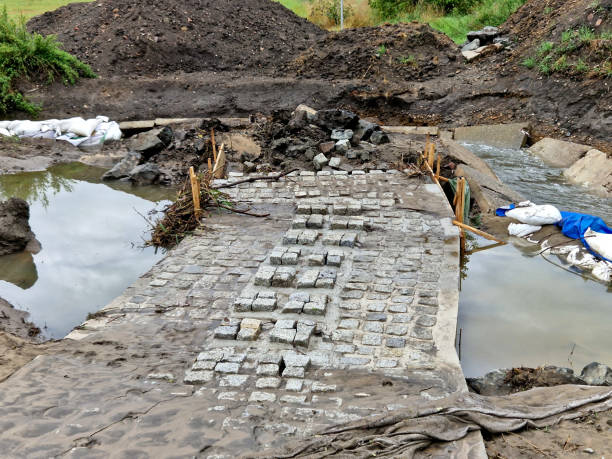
[(134, 166), (484, 41), (328, 138)]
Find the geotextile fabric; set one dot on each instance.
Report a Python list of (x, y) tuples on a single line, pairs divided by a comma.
[(406, 432)]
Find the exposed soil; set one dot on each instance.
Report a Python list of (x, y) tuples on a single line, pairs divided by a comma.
[(389, 53), (18, 339), (568, 439), (149, 37)]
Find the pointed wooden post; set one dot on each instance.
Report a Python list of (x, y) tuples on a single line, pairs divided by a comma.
[(214, 144), (195, 192)]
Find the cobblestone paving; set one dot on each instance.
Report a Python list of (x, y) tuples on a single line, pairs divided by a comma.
[(290, 323)]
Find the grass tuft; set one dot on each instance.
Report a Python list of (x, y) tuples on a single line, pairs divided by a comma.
[(31, 56)]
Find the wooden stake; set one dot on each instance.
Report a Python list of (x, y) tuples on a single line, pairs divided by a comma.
[(195, 192), (214, 144), (209, 165), (438, 167), (460, 199), (477, 231), (219, 167), (432, 152)]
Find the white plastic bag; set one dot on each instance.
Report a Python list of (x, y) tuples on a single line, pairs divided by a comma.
[(536, 215), (521, 229), (599, 242)]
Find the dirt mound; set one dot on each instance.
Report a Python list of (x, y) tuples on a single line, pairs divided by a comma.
[(148, 38), (567, 38), (390, 52)]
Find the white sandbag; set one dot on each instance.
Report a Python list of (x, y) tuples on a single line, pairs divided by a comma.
[(81, 127), (599, 242), (536, 215), (25, 128), (521, 229), (581, 258), (603, 271), (112, 132), (77, 131)]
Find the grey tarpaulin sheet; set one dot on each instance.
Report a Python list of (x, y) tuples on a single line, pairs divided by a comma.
[(404, 433)]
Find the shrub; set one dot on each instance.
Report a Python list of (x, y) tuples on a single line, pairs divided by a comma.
[(389, 9), (31, 56), (327, 12)]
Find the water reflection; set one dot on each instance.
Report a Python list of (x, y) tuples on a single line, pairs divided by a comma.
[(90, 234), (518, 309), (19, 269)]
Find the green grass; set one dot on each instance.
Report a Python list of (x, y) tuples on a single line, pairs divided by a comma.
[(30, 8), (26, 56), (579, 52), (456, 26), (299, 7)]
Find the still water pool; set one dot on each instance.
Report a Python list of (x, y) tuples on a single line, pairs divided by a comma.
[(91, 234), (518, 309)]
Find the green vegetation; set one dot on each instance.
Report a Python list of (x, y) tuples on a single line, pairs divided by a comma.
[(455, 18), (31, 57), (579, 52), (530, 62), (299, 7), (408, 60), (29, 8), (381, 51)]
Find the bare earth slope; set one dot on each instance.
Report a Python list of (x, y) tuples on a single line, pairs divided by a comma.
[(256, 56), (147, 37)]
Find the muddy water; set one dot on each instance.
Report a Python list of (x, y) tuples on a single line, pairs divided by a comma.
[(91, 236), (518, 309)]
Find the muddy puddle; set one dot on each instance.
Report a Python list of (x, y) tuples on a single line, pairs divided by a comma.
[(91, 235), (515, 307)]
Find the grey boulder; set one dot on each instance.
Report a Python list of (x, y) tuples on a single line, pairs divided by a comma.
[(597, 374), (145, 174), (379, 137), (341, 134), (151, 142), (335, 118), (471, 46), (123, 168), (485, 35), (15, 231)]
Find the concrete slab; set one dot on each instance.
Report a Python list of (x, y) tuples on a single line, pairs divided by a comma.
[(470, 55), (461, 154), (133, 125), (488, 193), (419, 130), (558, 153), (593, 171), (498, 135)]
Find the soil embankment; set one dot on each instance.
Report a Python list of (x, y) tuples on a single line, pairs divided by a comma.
[(158, 61), (151, 38)]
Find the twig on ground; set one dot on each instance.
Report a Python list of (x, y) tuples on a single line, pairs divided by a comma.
[(260, 177)]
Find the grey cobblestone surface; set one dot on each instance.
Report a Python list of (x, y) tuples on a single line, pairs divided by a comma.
[(299, 316)]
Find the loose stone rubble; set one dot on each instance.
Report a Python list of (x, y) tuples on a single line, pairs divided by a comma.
[(293, 322)]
